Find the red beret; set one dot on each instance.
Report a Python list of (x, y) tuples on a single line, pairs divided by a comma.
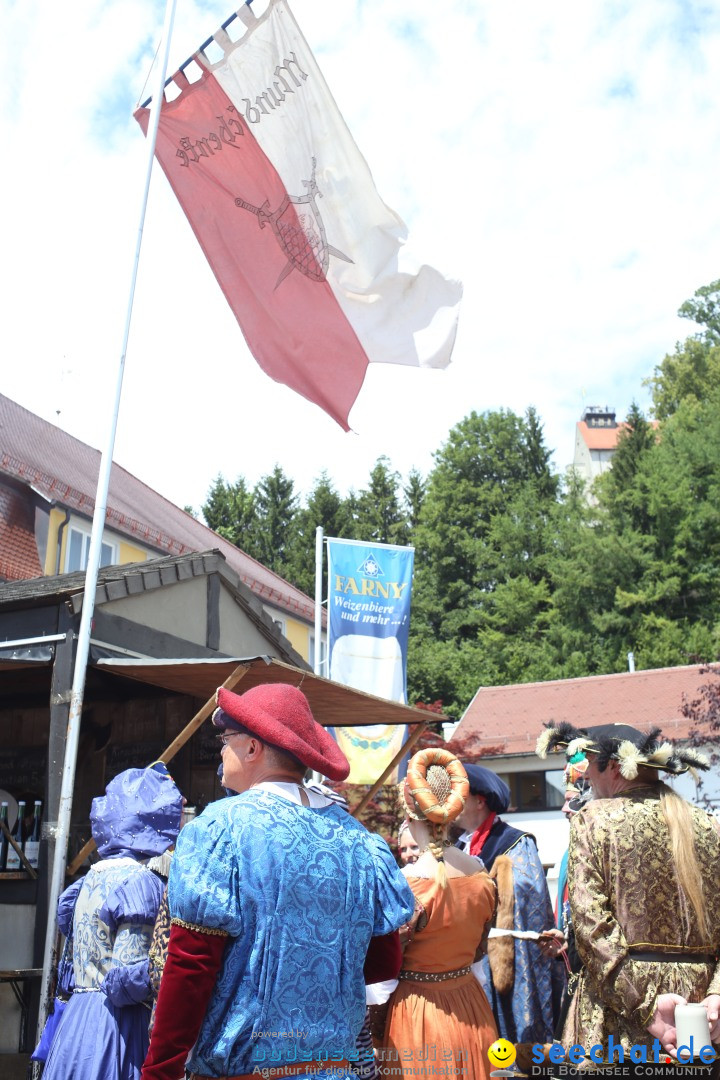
[(279, 714)]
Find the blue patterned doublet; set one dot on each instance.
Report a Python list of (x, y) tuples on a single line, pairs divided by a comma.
[(300, 891)]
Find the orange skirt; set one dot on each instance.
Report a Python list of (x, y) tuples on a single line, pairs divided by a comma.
[(438, 1029)]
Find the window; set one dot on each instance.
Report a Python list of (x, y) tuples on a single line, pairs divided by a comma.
[(78, 549), (323, 655), (536, 790)]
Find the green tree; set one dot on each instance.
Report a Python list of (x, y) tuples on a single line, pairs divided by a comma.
[(693, 369), (380, 517), (688, 373), (619, 487), (586, 563), (230, 510), (485, 463), (277, 506), (680, 481), (646, 576), (325, 508), (704, 309), (414, 492), (481, 578)]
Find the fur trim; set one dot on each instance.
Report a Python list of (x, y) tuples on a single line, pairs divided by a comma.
[(501, 951), (662, 755), (689, 756), (160, 864), (553, 737), (650, 743), (630, 758)]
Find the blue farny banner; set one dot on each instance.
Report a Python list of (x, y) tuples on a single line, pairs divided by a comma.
[(369, 588)]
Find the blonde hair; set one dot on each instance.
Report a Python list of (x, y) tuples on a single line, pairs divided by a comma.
[(434, 793), (678, 817), (439, 783)]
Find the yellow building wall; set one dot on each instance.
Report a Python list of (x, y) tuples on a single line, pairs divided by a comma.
[(298, 634), (127, 552)]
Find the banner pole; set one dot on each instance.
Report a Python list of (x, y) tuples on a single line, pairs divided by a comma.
[(62, 831), (317, 664), (318, 597)]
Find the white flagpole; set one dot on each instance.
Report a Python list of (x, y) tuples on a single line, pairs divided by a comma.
[(62, 832), (318, 597), (317, 777)]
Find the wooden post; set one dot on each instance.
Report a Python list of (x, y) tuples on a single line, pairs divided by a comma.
[(383, 776), (177, 744)]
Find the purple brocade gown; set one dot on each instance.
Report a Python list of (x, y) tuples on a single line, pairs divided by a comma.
[(103, 1034)]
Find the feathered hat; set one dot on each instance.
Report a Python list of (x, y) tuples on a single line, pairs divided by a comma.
[(630, 747)]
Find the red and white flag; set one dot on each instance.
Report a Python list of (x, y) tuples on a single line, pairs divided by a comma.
[(283, 204)]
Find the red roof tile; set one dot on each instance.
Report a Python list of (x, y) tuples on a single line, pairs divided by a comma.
[(18, 551), (513, 716), (600, 438), (64, 469)]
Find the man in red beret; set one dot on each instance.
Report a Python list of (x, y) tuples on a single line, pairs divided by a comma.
[(274, 895)]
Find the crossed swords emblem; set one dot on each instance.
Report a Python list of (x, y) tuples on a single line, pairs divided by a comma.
[(300, 233)]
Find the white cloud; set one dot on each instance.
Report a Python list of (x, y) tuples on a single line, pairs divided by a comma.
[(563, 161)]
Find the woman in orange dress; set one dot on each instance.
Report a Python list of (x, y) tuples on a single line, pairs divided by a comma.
[(439, 1021)]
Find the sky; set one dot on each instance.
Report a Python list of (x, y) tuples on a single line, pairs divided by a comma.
[(562, 160)]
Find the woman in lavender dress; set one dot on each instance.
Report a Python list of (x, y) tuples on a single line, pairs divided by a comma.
[(103, 1034)]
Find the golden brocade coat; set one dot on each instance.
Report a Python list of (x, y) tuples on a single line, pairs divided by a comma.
[(623, 898)]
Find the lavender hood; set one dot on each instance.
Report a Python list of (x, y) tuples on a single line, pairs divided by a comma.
[(139, 814)]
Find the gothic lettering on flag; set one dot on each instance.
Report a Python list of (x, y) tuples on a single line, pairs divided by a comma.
[(311, 261)]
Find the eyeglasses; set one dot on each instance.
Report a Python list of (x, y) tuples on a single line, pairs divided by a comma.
[(223, 737)]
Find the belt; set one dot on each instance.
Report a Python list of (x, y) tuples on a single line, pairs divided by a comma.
[(654, 957), (282, 1070), (433, 976)]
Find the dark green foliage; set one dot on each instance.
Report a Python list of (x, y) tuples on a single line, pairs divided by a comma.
[(276, 506), (379, 518), (704, 309), (324, 508), (231, 511), (693, 370)]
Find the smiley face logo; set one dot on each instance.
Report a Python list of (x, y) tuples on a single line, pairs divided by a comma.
[(501, 1053)]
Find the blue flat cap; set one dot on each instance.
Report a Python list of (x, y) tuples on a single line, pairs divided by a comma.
[(487, 783)]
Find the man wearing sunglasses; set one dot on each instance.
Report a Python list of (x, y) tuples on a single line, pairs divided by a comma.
[(275, 894)]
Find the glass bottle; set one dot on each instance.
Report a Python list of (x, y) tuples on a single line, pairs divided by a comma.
[(32, 844)]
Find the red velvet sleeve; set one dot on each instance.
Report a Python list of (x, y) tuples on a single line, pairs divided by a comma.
[(383, 959), (193, 962)]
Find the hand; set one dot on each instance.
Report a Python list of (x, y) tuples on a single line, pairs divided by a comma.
[(712, 1005), (552, 942), (662, 1025)]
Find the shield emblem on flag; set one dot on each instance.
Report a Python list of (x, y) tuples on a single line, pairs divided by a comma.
[(299, 230)]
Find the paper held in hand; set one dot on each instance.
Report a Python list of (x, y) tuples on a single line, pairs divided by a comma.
[(528, 935)]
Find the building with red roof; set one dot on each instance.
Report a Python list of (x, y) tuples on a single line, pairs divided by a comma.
[(596, 437), (48, 481), (503, 724)]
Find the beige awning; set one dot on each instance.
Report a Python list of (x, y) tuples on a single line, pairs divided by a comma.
[(332, 704)]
